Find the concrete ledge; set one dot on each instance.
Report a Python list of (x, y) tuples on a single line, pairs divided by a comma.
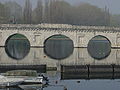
[(90, 72), (39, 68)]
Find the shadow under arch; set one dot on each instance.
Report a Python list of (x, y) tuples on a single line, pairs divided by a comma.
[(17, 46), (99, 47), (58, 46)]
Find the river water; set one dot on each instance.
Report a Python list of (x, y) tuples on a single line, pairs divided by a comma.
[(60, 52)]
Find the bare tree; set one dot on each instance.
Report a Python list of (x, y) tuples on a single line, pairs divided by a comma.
[(27, 13), (15, 11), (39, 12), (47, 11), (107, 16), (58, 11), (4, 14)]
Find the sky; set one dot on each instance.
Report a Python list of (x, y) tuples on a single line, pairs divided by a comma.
[(113, 5)]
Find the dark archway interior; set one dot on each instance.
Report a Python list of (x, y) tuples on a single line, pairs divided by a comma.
[(17, 46), (99, 47), (58, 47)]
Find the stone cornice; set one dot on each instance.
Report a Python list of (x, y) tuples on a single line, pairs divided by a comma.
[(63, 27)]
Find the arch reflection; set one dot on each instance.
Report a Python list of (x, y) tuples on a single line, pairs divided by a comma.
[(99, 47)]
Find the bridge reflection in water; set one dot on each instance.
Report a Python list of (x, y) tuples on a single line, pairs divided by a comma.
[(80, 56), (90, 72)]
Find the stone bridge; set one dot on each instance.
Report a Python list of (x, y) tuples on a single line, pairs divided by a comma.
[(80, 56), (80, 35)]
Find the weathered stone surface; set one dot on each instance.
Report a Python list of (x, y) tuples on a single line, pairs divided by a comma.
[(80, 35)]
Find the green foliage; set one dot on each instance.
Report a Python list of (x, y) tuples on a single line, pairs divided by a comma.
[(87, 14), (27, 13), (115, 20), (15, 12), (3, 14), (54, 11), (38, 13), (62, 12)]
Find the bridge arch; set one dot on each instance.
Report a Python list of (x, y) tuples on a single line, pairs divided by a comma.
[(6, 38), (66, 36), (102, 36), (58, 46), (99, 47), (14, 34), (17, 46)]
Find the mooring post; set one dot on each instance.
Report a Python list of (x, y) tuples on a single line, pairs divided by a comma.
[(113, 71), (88, 68)]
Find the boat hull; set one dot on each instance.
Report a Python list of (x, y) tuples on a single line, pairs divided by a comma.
[(31, 87)]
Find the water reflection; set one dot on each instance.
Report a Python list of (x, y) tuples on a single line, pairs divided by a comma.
[(99, 47), (79, 57), (88, 72), (17, 46), (12, 88), (58, 47), (94, 84)]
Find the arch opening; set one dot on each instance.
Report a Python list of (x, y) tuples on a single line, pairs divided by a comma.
[(17, 46), (58, 47), (99, 47)]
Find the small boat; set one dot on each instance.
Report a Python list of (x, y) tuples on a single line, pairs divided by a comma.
[(33, 80), (23, 73), (32, 87), (9, 82), (29, 76)]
